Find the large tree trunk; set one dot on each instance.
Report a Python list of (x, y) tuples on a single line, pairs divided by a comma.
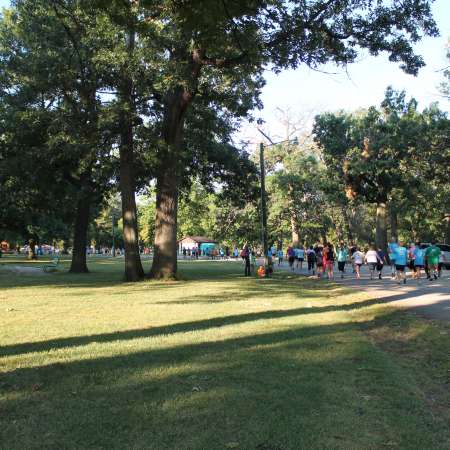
[(133, 265), (165, 248), (79, 264), (31, 249), (176, 103), (295, 230), (295, 223), (381, 226), (393, 220), (347, 224)]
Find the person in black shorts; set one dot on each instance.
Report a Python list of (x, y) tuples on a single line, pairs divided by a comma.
[(319, 260), (311, 258)]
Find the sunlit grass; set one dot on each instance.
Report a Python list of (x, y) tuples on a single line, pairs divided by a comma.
[(214, 361)]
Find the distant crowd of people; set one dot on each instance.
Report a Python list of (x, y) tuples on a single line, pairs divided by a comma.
[(211, 252), (321, 259)]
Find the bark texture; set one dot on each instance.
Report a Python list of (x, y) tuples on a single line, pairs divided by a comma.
[(295, 230), (381, 226), (165, 248), (393, 221), (175, 103), (133, 265), (31, 249), (347, 224), (78, 264)]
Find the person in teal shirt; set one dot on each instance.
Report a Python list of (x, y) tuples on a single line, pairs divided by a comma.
[(401, 260), (280, 257), (419, 260), (391, 251), (342, 256)]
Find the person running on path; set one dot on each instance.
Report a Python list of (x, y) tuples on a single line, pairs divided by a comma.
[(381, 262), (371, 259), (280, 257), (290, 255), (401, 261), (295, 256), (319, 261), (419, 261), (311, 258), (300, 256), (391, 249), (432, 254), (358, 260), (329, 259), (342, 256)]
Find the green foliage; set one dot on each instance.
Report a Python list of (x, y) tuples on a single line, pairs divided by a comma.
[(392, 154)]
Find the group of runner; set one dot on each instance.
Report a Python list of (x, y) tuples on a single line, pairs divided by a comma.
[(321, 259)]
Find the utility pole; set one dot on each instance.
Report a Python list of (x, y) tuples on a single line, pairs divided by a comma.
[(113, 239), (263, 188), (263, 200)]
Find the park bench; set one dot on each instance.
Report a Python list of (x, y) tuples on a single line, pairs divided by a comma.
[(52, 266)]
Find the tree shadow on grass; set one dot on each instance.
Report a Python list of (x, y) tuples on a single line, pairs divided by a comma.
[(303, 387), (182, 327)]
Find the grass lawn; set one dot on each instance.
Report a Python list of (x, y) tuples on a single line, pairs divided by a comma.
[(216, 361)]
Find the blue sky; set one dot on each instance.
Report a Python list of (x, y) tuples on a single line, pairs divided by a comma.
[(364, 82)]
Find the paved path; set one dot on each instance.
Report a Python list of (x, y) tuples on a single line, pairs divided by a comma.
[(429, 299)]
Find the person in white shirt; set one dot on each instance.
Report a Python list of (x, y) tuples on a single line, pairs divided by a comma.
[(371, 259), (358, 260)]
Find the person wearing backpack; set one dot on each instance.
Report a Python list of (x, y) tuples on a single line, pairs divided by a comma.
[(319, 260), (311, 258)]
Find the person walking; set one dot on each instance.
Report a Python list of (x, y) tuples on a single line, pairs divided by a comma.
[(358, 260), (319, 260), (280, 257), (432, 254), (300, 256), (391, 250), (290, 255), (411, 257), (342, 256), (401, 261), (245, 255), (419, 261), (381, 262), (329, 260), (371, 259), (311, 258)]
